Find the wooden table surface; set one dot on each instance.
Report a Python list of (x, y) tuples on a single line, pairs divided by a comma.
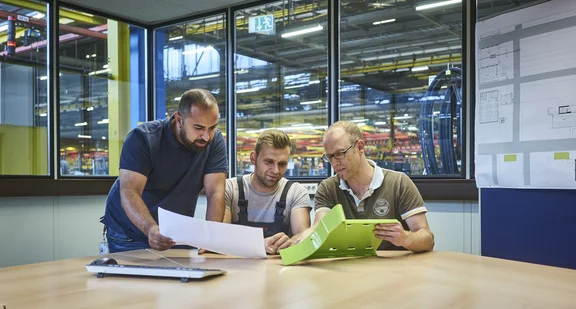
[(391, 280)]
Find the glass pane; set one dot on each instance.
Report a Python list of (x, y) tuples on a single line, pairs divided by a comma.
[(23, 89), (401, 83), (281, 65), (102, 91), (491, 8), (191, 55)]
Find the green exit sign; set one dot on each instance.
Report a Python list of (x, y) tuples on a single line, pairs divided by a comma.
[(263, 23)]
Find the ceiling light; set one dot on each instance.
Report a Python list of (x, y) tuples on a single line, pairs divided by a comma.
[(247, 90), (379, 5), (388, 56), (203, 76), (103, 121), (65, 21), (99, 72), (417, 69), (437, 4), (43, 77), (84, 136), (81, 124), (43, 115), (304, 15), (384, 21), (241, 71), (310, 102), (314, 82), (302, 31), (174, 38), (411, 53), (103, 137), (38, 15), (296, 86), (89, 109), (380, 123)]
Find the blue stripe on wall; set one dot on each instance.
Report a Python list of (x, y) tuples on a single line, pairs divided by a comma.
[(535, 226)]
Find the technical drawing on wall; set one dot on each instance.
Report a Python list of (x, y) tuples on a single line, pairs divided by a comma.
[(496, 63), (495, 114), (490, 103), (541, 116), (526, 98), (563, 116)]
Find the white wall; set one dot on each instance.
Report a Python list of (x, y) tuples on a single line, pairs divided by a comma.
[(40, 229)]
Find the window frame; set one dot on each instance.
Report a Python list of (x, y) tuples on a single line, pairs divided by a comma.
[(439, 187)]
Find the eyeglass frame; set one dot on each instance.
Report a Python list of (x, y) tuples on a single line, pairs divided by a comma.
[(328, 159)]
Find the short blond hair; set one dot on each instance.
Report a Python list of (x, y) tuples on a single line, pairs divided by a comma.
[(274, 138)]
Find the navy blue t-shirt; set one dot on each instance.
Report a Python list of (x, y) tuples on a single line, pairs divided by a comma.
[(175, 174)]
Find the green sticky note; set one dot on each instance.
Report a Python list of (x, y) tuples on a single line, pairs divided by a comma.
[(561, 156), (510, 158)]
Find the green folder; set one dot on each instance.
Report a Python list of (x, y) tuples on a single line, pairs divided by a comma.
[(336, 236)]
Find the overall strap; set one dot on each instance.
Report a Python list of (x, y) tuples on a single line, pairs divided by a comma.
[(280, 207), (242, 202)]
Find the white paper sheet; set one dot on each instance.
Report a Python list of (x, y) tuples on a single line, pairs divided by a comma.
[(230, 239)]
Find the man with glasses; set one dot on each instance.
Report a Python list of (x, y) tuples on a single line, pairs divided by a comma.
[(367, 191)]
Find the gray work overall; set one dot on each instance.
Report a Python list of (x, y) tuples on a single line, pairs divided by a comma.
[(270, 228)]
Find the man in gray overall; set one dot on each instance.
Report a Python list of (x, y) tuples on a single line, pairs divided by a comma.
[(265, 198)]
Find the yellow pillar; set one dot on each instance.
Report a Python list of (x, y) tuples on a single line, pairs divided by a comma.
[(118, 91)]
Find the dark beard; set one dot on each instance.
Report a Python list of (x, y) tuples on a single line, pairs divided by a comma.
[(190, 145)]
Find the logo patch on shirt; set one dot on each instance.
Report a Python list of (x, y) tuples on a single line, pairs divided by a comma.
[(382, 207)]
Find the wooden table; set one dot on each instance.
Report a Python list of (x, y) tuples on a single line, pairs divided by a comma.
[(391, 280)]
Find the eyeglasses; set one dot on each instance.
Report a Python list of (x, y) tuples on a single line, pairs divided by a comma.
[(339, 155)]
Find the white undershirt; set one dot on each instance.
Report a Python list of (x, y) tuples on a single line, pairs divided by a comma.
[(377, 180)]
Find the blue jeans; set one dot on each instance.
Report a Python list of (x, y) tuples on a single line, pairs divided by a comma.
[(120, 242)]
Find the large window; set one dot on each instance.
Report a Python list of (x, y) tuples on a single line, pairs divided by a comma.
[(401, 82), (24, 106), (102, 91), (491, 8), (280, 67), (190, 55)]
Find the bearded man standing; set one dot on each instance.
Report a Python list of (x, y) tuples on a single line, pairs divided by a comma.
[(166, 163)]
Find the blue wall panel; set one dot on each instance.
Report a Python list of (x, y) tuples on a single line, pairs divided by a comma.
[(536, 226)]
